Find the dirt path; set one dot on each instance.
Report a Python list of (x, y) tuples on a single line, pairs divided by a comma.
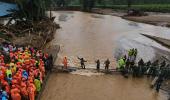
[(101, 87)]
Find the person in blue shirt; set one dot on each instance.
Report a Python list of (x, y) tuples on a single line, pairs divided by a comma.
[(0, 94), (25, 74), (4, 94)]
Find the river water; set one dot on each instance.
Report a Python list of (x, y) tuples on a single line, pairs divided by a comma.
[(93, 37)]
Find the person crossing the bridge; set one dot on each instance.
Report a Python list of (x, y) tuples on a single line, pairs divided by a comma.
[(121, 63), (130, 53), (140, 67), (162, 64), (82, 62), (122, 66), (107, 63), (135, 52), (98, 64), (65, 62), (160, 79)]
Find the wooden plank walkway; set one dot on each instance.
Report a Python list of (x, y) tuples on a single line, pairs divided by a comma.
[(60, 69)]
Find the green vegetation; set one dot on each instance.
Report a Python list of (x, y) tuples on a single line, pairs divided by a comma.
[(121, 2), (34, 9), (144, 5), (87, 5), (30, 10)]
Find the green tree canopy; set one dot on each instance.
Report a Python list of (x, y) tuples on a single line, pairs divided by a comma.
[(31, 9)]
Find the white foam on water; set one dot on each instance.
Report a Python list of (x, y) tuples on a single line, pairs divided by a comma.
[(85, 72)]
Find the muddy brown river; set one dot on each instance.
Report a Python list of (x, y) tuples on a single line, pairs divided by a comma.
[(93, 37)]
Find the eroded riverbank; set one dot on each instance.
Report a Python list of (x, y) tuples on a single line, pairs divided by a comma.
[(153, 18)]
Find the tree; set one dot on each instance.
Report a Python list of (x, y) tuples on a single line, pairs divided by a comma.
[(91, 4), (61, 3), (129, 3), (85, 5), (88, 4), (30, 9)]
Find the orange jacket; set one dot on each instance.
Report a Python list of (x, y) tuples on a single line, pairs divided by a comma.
[(65, 61), (42, 71), (7, 87), (31, 91), (2, 76), (3, 70), (24, 91), (18, 77), (15, 94), (14, 81)]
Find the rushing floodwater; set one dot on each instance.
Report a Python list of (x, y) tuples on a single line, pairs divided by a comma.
[(94, 36), (103, 87)]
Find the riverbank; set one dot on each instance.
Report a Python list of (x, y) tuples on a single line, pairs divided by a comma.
[(153, 18), (35, 34), (157, 19)]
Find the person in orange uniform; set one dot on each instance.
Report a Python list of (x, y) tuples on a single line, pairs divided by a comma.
[(18, 77), (65, 63), (15, 93), (2, 76), (6, 85), (24, 92), (31, 90)]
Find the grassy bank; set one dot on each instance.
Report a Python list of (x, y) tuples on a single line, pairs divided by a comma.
[(144, 7)]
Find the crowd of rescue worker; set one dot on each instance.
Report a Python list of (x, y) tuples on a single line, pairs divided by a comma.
[(22, 71), (157, 70)]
